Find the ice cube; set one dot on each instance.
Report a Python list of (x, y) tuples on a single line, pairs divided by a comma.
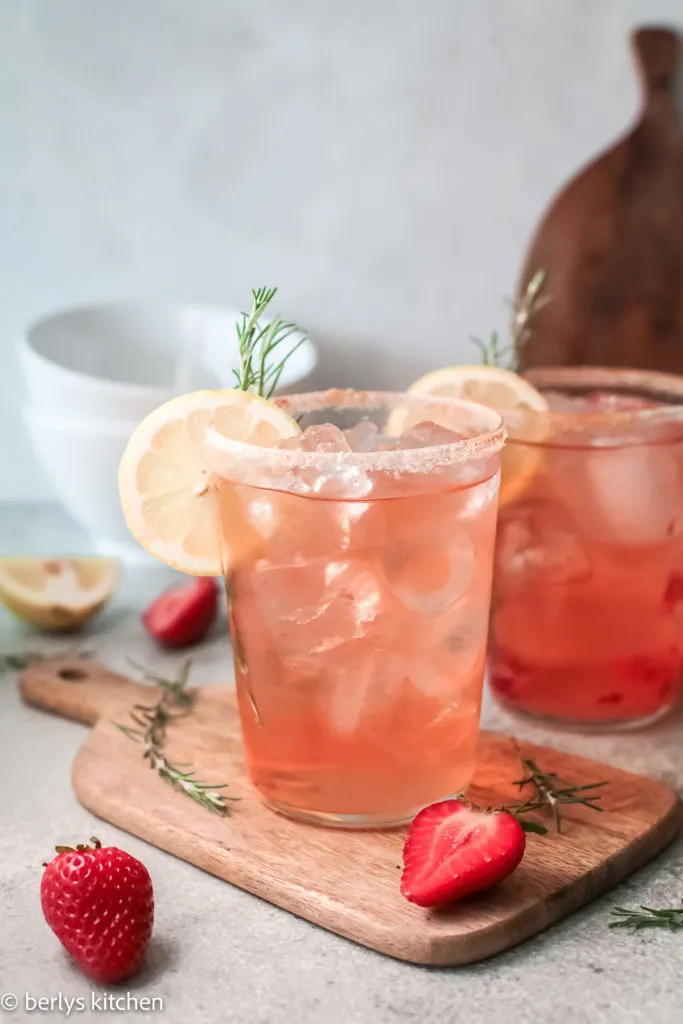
[(355, 683), (429, 580), (451, 648), (480, 499), (297, 443), (428, 675), (284, 595), (538, 539), (261, 510), (428, 557), (465, 635), (631, 495), (312, 607), (348, 482), (299, 528), (363, 436), (426, 434), (323, 437), (340, 479)]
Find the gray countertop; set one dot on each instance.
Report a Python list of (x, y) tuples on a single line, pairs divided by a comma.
[(221, 955)]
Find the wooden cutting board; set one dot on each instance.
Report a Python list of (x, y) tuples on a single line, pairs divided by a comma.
[(611, 242), (347, 881)]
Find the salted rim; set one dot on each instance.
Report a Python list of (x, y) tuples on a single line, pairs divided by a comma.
[(410, 460), (593, 378)]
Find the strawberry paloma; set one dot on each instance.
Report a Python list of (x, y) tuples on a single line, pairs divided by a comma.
[(359, 617), (587, 622), (355, 532)]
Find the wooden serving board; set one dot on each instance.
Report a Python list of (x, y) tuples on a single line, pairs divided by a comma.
[(611, 242), (347, 881)]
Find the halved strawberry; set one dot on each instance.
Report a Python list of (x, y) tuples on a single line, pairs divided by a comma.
[(183, 615), (453, 851)]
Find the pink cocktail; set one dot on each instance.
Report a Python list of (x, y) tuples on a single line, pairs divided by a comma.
[(587, 622), (359, 613)]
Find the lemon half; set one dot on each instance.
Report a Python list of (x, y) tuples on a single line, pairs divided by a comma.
[(57, 593)]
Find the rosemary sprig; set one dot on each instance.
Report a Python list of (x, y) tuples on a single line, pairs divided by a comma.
[(258, 344), (174, 689), (19, 661), (648, 917), (495, 353), (150, 722), (533, 300), (550, 793)]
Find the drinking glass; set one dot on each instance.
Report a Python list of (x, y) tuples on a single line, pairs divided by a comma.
[(587, 614), (358, 589)]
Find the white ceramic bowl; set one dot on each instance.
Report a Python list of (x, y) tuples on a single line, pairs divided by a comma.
[(120, 361), (80, 459)]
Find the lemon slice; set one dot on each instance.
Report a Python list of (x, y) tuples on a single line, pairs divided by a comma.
[(501, 390), (167, 491), (57, 593)]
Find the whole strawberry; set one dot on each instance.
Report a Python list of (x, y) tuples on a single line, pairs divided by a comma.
[(99, 902)]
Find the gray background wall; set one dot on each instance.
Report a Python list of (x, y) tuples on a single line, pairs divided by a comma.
[(382, 161)]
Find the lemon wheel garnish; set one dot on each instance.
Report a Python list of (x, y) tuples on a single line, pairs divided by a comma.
[(168, 495), (501, 390), (57, 593)]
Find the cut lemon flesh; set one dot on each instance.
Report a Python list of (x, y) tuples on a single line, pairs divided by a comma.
[(168, 494), (57, 593), (501, 390)]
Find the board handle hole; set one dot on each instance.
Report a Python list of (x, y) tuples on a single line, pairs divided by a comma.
[(72, 675)]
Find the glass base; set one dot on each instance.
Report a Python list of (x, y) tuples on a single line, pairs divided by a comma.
[(351, 821), (593, 725)]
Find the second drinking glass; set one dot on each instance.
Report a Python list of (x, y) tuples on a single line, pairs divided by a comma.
[(587, 622)]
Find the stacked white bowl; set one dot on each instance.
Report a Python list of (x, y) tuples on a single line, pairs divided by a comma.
[(90, 376)]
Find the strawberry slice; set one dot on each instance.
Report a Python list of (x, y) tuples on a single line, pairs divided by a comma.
[(183, 615), (453, 851)]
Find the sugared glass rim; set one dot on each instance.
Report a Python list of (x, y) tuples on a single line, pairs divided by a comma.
[(662, 386), (411, 460), (590, 430)]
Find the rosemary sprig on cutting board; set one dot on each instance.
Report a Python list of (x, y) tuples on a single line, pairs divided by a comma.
[(549, 794), (17, 661), (149, 724)]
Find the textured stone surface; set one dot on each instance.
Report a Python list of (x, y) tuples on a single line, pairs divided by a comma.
[(221, 955)]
